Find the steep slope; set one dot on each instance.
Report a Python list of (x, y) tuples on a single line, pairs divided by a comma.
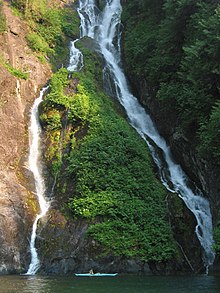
[(109, 210), (17, 201), (174, 47)]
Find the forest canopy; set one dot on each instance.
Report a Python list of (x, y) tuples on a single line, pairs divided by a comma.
[(175, 47)]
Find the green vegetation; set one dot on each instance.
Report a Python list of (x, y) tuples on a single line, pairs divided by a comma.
[(16, 72), (38, 44), (50, 28), (96, 150), (175, 46), (2, 20)]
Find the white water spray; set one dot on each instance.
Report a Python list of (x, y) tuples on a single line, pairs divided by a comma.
[(34, 155), (104, 28), (76, 58)]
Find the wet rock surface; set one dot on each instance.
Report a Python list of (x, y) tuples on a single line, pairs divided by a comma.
[(17, 201)]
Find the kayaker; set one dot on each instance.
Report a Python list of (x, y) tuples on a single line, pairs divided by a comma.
[(91, 272)]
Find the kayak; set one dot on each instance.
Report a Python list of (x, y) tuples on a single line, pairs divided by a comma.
[(96, 275)]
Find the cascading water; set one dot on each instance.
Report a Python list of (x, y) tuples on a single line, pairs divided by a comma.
[(34, 154), (76, 58), (104, 28)]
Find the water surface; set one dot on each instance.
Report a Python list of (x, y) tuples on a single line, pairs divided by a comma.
[(118, 284)]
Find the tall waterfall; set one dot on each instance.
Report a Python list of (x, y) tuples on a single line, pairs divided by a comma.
[(104, 28), (34, 154)]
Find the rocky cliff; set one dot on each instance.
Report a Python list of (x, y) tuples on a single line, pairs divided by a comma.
[(64, 244), (17, 199), (167, 114)]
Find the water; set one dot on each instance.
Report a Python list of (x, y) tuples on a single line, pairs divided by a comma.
[(104, 28), (34, 165), (76, 58), (119, 284)]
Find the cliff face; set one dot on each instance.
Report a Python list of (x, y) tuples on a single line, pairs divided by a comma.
[(149, 73), (64, 244), (17, 199), (181, 98), (66, 248), (206, 173)]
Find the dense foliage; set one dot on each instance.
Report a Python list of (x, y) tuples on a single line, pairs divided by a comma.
[(99, 152), (50, 27), (175, 47)]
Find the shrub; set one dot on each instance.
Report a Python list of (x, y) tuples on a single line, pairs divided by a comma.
[(16, 72), (37, 43)]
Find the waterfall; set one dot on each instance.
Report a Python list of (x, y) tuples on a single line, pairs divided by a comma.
[(76, 58), (34, 154), (104, 28)]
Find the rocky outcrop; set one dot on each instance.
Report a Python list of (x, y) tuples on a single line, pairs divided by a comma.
[(65, 248), (17, 200)]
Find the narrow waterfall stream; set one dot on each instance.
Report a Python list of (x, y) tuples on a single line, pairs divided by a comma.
[(34, 154), (104, 28)]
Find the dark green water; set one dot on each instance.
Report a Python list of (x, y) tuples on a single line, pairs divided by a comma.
[(118, 284)]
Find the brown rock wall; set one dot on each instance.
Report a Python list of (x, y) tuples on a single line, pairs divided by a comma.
[(17, 202)]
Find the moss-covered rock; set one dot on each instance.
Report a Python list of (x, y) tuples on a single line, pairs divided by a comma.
[(111, 204), (183, 225)]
